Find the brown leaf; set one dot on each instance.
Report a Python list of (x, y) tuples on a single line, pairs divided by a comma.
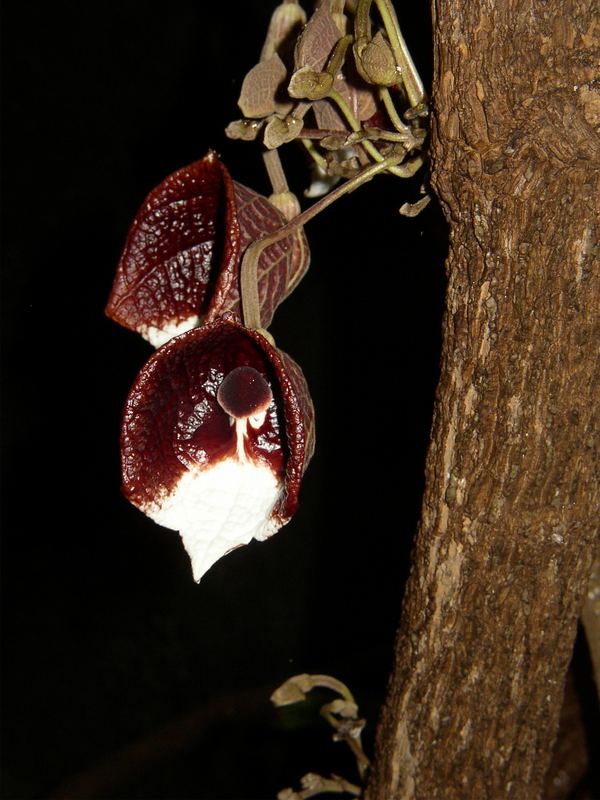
[(328, 117), (317, 40), (285, 21), (360, 100), (263, 89), (313, 49), (361, 97), (184, 234)]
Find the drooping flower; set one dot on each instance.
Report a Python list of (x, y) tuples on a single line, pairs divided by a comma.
[(180, 264), (216, 435), (218, 427)]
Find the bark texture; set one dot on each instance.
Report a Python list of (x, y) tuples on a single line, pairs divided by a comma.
[(509, 522)]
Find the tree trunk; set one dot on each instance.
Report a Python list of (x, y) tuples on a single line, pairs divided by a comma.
[(510, 511)]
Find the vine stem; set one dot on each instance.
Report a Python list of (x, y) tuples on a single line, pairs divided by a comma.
[(343, 106), (410, 76), (362, 760), (384, 94), (275, 171), (327, 682), (314, 153), (249, 268), (405, 171)]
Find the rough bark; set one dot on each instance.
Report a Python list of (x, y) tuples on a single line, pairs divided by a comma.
[(510, 511)]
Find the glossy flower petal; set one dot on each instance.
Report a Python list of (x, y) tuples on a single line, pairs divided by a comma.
[(181, 260), (217, 432)]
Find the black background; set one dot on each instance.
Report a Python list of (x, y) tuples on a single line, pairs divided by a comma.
[(118, 670)]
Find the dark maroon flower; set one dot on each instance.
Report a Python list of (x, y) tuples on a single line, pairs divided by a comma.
[(218, 427), (180, 263), (217, 432)]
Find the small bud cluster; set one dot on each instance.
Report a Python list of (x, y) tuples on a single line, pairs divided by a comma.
[(349, 93)]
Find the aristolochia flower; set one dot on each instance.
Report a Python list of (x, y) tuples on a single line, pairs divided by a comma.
[(180, 264), (217, 432), (218, 427)]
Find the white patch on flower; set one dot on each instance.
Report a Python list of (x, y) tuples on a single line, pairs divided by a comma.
[(159, 336), (219, 508)]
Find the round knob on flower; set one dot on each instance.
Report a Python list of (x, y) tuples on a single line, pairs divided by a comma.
[(245, 395)]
